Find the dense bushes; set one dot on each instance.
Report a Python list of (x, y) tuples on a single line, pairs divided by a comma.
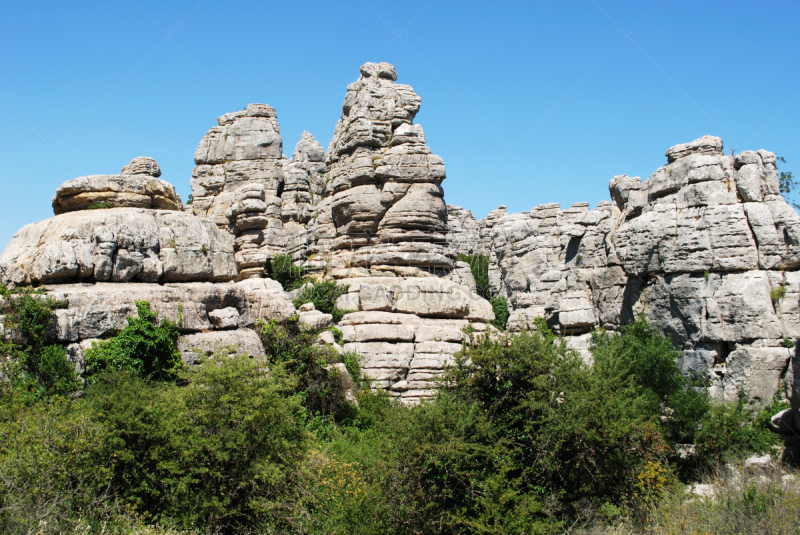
[(522, 437), (33, 364)]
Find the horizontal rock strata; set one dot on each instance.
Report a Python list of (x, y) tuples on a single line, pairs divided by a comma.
[(137, 186), (404, 353), (701, 248)]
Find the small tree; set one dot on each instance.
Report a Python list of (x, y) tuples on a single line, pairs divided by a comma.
[(788, 183)]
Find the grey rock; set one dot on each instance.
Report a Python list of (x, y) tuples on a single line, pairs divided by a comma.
[(121, 245), (196, 347), (137, 186)]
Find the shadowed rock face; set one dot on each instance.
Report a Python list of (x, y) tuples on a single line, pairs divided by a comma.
[(383, 204), (137, 186)]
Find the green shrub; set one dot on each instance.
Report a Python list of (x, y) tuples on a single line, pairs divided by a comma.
[(144, 347), (292, 347), (520, 418), (500, 309), (222, 453), (643, 357), (32, 363), (731, 431), (54, 469), (282, 269), (479, 265), (323, 295), (100, 205)]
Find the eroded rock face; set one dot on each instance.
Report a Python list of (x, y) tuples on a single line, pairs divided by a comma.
[(119, 245), (137, 186), (97, 310), (700, 248), (405, 353), (383, 202), (238, 183)]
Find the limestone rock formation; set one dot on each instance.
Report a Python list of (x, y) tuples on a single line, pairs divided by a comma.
[(119, 245), (245, 148), (304, 184), (404, 353), (701, 248), (137, 186), (706, 248), (464, 231), (383, 202)]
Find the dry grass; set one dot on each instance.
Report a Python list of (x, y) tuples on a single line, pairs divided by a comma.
[(763, 501)]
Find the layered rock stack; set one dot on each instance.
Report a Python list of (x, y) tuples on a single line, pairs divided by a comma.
[(255, 221), (304, 184), (137, 186), (244, 151), (383, 205)]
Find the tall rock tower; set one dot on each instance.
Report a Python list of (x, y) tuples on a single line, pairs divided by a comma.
[(383, 207), (238, 184)]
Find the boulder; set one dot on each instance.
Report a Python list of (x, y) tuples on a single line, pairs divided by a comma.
[(137, 186)]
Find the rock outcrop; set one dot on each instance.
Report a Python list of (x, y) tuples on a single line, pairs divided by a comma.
[(238, 183), (404, 353), (706, 249), (137, 186), (119, 245)]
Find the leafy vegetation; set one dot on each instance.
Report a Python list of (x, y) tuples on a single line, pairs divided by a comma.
[(145, 348), (776, 293), (522, 437), (281, 268), (323, 295), (500, 309), (787, 184), (100, 205), (479, 265), (33, 364)]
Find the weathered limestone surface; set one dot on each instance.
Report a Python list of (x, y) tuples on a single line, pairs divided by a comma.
[(137, 186), (698, 248), (98, 310), (464, 231), (119, 245), (383, 204), (706, 248), (238, 183), (197, 346), (404, 353)]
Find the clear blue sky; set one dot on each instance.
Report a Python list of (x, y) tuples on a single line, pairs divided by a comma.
[(526, 102)]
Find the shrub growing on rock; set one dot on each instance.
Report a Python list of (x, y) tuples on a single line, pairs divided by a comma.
[(281, 268), (500, 309), (479, 265), (144, 347), (292, 347), (323, 295), (32, 363)]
